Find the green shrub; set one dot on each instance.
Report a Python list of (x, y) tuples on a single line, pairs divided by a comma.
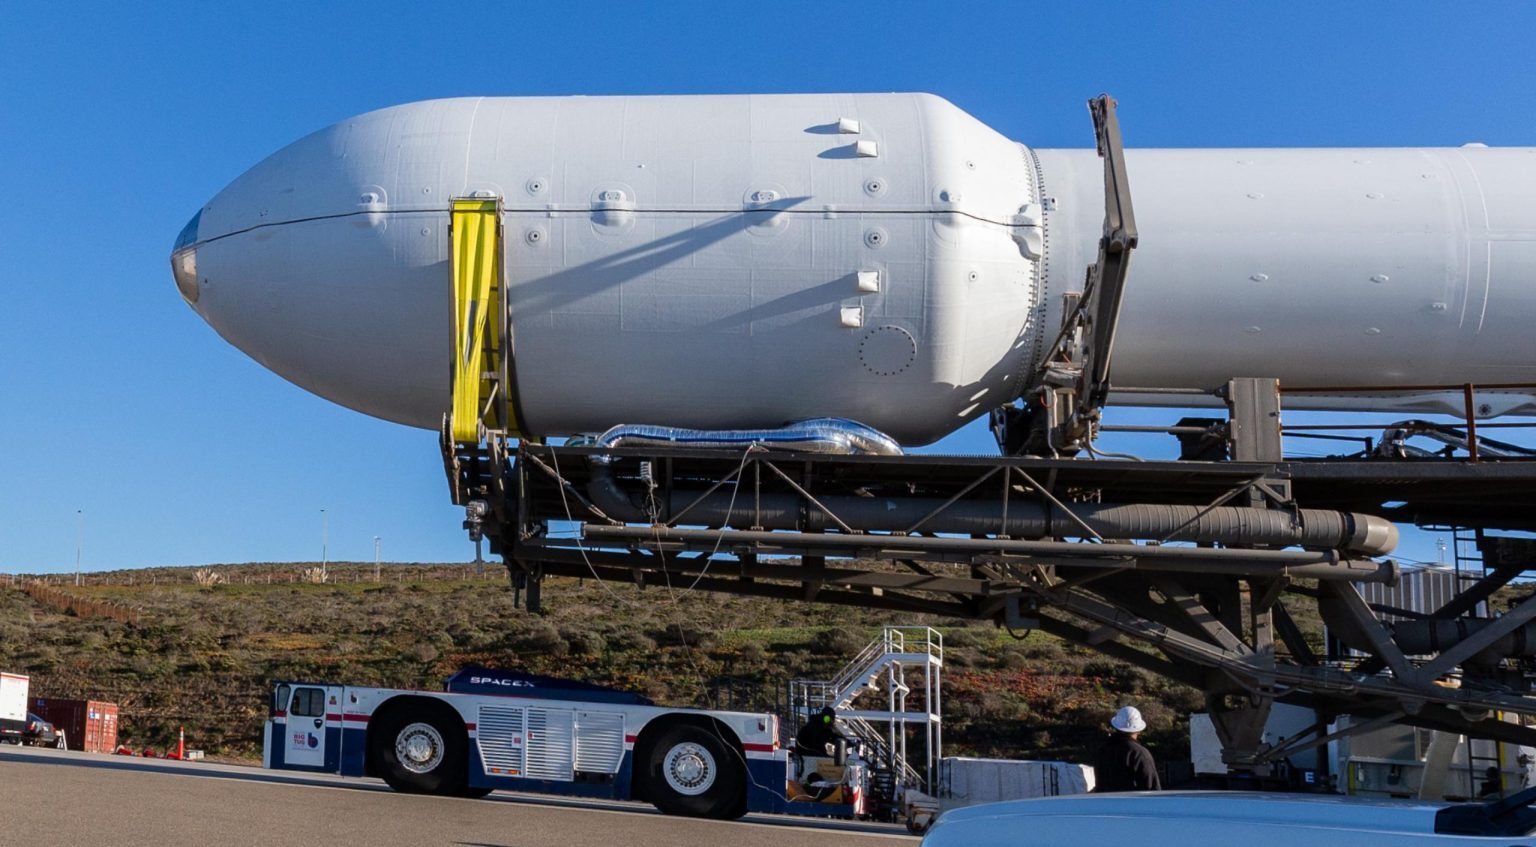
[(542, 640), (585, 642), (839, 641)]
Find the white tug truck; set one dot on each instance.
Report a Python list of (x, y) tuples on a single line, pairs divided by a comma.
[(501, 729)]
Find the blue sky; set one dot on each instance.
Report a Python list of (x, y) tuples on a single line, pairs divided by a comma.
[(117, 121)]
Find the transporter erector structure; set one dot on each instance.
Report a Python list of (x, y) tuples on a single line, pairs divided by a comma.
[(741, 308)]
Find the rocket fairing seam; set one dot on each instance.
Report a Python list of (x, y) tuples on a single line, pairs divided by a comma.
[(576, 209)]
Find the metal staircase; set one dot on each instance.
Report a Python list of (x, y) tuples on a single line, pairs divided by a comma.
[(909, 708)]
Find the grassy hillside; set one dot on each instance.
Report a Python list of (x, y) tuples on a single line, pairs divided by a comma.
[(204, 655)]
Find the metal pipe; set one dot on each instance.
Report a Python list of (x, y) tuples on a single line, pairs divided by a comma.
[(1269, 563), (1362, 534), (1429, 637)]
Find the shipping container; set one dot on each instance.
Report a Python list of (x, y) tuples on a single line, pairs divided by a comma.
[(88, 725)]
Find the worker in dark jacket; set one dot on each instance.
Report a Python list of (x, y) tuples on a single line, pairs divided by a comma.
[(1122, 763), (818, 732)]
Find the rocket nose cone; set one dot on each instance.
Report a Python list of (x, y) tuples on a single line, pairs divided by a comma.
[(184, 261)]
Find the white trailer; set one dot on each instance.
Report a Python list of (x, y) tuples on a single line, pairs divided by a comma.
[(547, 735), (13, 706)]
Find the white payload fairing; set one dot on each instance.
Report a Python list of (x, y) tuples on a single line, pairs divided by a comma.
[(746, 261)]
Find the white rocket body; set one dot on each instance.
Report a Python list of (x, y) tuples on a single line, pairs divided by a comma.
[(745, 261)]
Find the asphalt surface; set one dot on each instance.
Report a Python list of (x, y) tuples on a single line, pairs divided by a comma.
[(53, 797)]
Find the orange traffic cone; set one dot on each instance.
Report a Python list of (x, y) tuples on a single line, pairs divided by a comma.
[(181, 745)]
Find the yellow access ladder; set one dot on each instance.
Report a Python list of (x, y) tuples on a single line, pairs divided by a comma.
[(479, 315)]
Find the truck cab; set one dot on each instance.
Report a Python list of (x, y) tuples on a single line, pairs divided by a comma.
[(304, 731)]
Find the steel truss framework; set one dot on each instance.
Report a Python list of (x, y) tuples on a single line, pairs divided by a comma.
[(1217, 618)]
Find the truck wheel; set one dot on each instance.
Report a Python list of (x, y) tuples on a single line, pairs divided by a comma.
[(693, 772), (421, 750)]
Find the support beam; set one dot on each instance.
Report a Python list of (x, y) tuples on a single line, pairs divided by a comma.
[(1303, 743), (1228, 562), (1479, 591), (1381, 641), (1480, 641), (1185, 602), (1292, 636)]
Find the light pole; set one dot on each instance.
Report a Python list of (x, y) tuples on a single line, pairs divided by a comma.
[(79, 541), (375, 558), (325, 538)]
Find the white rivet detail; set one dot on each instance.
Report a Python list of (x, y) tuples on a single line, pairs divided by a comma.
[(1253, 330), (1380, 278), (852, 317), (869, 281), (1259, 277), (483, 194), (1437, 306), (865, 149), (1374, 196), (1373, 331), (848, 126), (1255, 195)]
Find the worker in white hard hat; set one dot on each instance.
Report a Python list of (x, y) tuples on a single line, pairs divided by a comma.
[(1122, 763)]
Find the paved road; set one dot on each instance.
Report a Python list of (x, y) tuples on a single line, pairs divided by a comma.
[(50, 797)]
